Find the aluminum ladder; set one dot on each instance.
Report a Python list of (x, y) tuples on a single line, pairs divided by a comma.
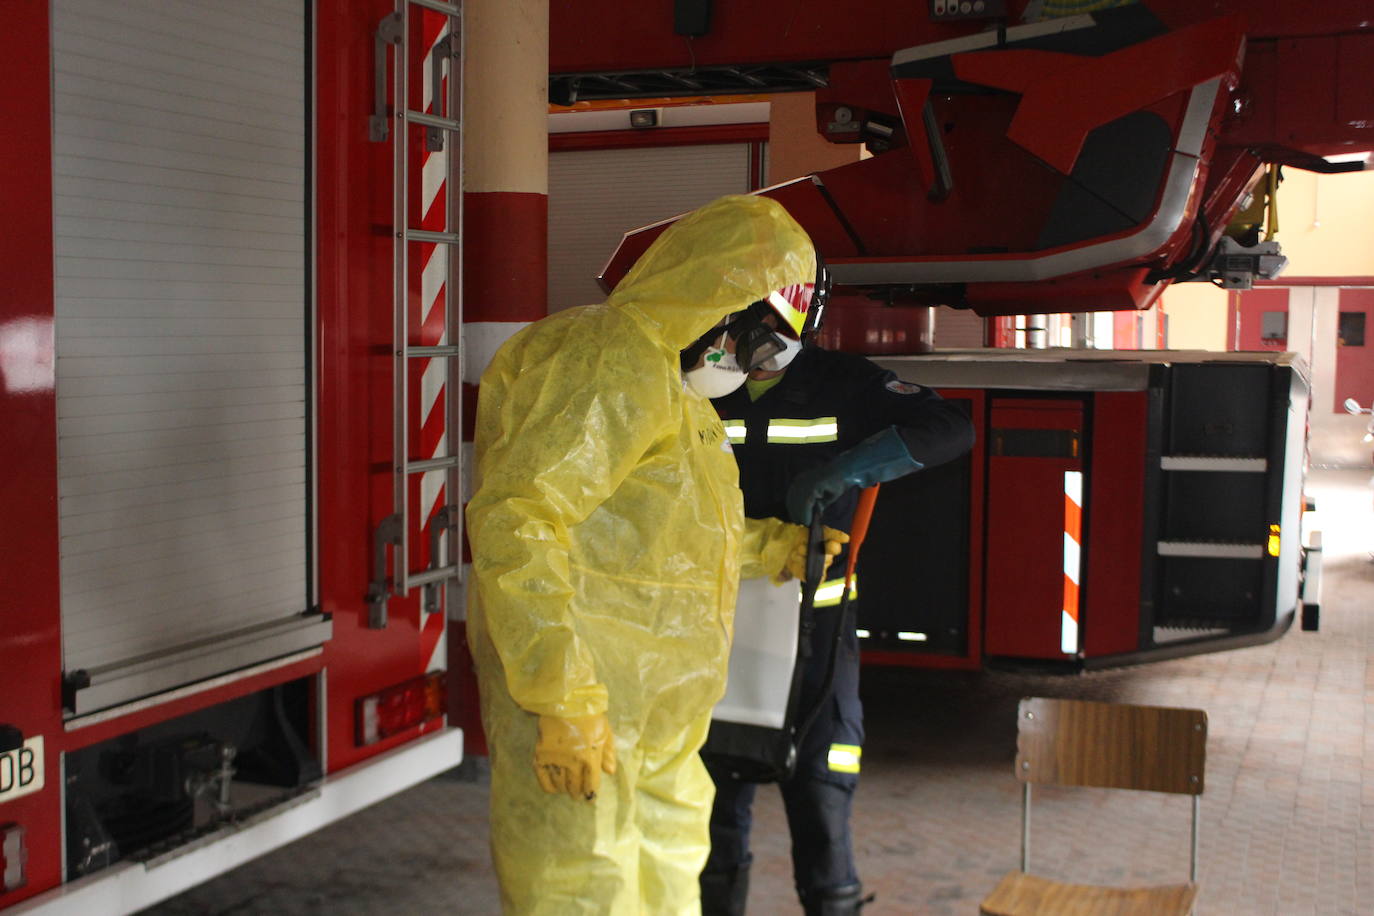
[(442, 136)]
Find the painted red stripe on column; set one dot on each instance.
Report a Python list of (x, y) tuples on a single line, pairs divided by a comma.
[(505, 266), (505, 279)]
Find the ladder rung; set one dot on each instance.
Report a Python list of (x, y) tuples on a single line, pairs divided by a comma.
[(433, 351), (439, 6), (415, 580), (429, 120), (432, 464), (427, 235)]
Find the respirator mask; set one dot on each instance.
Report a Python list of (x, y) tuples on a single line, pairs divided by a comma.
[(714, 371), (721, 359)]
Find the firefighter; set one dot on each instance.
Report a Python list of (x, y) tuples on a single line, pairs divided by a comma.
[(608, 536), (809, 428)]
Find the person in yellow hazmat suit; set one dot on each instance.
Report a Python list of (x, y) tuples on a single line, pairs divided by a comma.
[(608, 537)]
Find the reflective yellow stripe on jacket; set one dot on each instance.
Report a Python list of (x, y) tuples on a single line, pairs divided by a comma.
[(818, 429), (829, 592), (844, 758), (736, 431), (788, 432)]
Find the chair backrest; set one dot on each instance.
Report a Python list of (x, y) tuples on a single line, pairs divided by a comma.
[(1111, 745)]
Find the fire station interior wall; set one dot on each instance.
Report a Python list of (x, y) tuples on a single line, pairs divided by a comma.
[(794, 147), (1324, 230), (1354, 343), (180, 192), (595, 196), (1307, 320), (1324, 224), (1339, 370), (1196, 316)]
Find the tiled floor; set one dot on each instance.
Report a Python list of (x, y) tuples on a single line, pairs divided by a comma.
[(1288, 822)]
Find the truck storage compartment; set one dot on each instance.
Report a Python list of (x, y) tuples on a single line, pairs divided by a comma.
[(147, 792), (1034, 556)]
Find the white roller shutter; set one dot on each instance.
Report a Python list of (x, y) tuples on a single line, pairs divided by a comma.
[(180, 185), (596, 196), (958, 329)]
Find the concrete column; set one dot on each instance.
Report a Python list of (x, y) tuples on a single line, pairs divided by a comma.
[(506, 172), (505, 226), (505, 179)]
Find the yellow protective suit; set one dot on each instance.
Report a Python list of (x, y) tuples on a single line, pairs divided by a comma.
[(608, 536)]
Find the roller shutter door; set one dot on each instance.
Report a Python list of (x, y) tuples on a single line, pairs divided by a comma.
[(595, 196), (958, 329), (180, 186)]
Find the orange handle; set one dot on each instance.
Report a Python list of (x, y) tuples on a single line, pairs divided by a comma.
[(863, 514)]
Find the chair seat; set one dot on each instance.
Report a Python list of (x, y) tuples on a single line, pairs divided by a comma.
[(1021, 894)]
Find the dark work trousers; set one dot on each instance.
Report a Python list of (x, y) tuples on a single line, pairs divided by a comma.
[(819, 796)]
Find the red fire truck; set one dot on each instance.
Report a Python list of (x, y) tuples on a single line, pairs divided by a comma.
[(229, 512), (229, 341)]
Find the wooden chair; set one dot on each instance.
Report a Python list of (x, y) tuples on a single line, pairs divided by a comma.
[(1114, 746)]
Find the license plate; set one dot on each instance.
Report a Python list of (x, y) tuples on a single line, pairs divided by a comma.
[(21, 770)]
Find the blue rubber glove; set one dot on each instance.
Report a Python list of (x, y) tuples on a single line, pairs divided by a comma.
[(878, 459)]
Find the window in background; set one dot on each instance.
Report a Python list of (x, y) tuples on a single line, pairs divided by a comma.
[(1350, 331), (1274, 329)]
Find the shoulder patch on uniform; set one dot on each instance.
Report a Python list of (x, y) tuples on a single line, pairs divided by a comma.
[(897, 386)]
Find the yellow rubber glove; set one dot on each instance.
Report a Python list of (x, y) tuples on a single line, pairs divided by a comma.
[(571, 754), (795, 567)]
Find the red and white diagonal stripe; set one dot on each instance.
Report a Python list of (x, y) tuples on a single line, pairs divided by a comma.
[(428, 396)]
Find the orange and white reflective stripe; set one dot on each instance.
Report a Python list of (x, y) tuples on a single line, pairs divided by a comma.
[(1073, 535)]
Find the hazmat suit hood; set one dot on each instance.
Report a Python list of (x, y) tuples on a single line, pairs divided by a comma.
[(714, 261)]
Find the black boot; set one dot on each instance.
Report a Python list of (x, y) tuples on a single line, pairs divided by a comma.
[(835, 901), (723, 893)]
